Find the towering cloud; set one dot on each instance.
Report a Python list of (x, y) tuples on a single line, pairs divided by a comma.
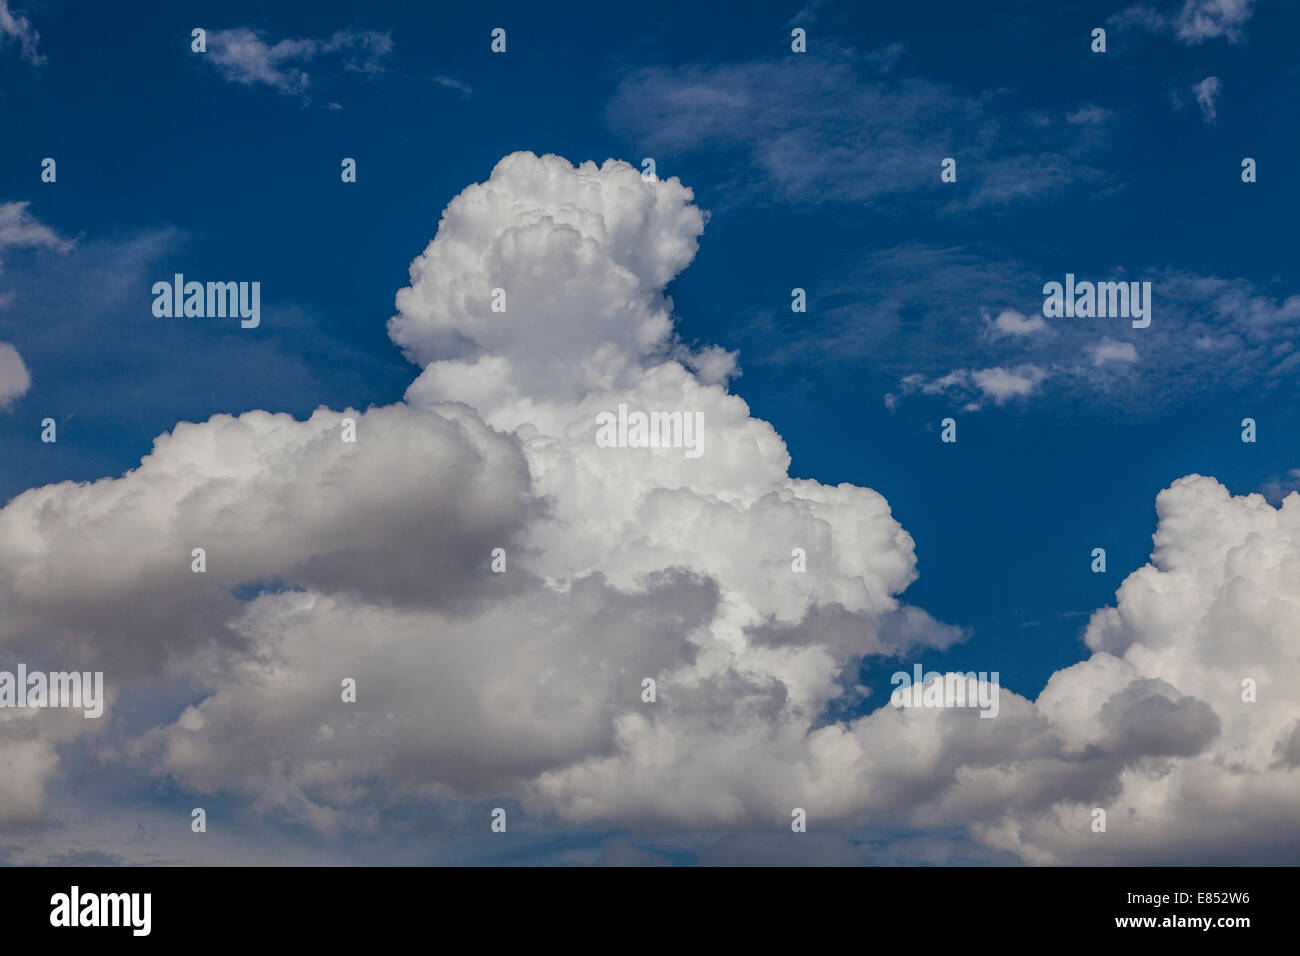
[(328, 560)]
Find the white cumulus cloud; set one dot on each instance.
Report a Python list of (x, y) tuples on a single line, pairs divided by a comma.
[(372, 560), (14, 377), (1108, 350), (1017, 323)]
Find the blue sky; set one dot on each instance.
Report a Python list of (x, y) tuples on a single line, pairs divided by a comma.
[(818, 171)]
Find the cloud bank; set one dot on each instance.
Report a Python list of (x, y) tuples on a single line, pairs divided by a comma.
[(373, 560)]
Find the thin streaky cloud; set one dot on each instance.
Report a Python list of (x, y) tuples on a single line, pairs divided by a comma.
[(17, 28), (244, 56)]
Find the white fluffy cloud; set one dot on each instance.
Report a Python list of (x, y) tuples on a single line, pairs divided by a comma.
[(972, 387), (1215, 607), (1108, 350), (372, 559), (14, 377), (328, 560), (1277, 488), (1011, 322)]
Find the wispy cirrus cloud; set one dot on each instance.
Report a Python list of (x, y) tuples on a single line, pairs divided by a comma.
[(15, 27), (20, 229), (1208, 333), (244, 56), (451, 83), (850, 127), (1088, 114), (951, 322), (1194, 23), (57, 297), (973, 387)]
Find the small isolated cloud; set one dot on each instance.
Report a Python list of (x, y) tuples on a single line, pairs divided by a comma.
[(1193, 24), (1108, 350), (1012, 322), (1207, 97), (244, 56), (1002, 384), (17, 28), (14, 377), (973, 387), (1088, 115), (452, 83)]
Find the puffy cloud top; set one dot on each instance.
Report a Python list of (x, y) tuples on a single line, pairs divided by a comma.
[(582, 255)]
